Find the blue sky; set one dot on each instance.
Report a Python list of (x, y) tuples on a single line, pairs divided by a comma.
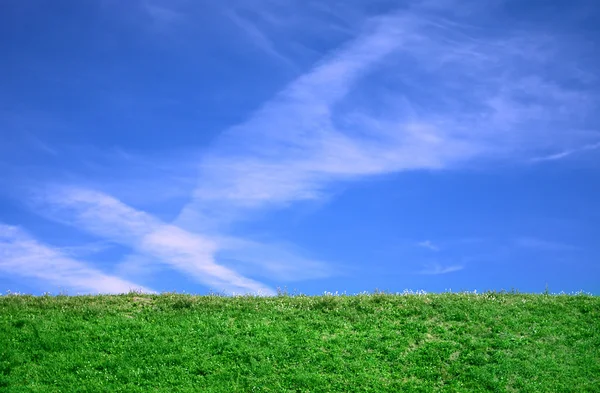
[(244, 146)]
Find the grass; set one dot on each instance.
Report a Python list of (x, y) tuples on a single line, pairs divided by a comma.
[(492, 342)]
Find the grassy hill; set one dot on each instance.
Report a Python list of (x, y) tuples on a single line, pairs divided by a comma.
[(364, 343)]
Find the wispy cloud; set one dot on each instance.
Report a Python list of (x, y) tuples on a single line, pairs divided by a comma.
[(412, 91), (544, 245), (22, 255), (163, 14), (40, 145), (428, 244), (290, 149), (254, 34), (85, 249), (151, 180), (329, 125), (437, 269), (109, 218), (566, 153), (280, 262)]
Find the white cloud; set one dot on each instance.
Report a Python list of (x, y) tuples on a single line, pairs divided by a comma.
[(253, 33), (290, 149), (162, 13), (186, 252), (437, 269), (40, 144), (544, 245), (412, 91), (82, 250), (428, 244), (23, 256), (451, 99), (282, 262), (566, 153)]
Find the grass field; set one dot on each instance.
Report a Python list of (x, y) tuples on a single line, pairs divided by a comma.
[(363, 343)]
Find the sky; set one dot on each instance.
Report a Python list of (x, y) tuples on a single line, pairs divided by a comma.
[(260, 146)]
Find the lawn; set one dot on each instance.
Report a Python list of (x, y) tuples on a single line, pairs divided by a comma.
[(492, 342)]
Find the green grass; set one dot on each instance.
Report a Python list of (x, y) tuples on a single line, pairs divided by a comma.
[(365, 343)]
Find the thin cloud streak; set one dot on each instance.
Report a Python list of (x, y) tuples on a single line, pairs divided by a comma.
[(40, 145), (567, 153), (279, 262), (544, 245), (428, 244), (161, 13), (258, 38), (23, 256), (186, 252), (437, 269)]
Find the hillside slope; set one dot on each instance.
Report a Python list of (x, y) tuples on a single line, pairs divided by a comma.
[(364, 343)]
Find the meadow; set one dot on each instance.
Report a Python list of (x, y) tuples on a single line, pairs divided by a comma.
[(412, 342)]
